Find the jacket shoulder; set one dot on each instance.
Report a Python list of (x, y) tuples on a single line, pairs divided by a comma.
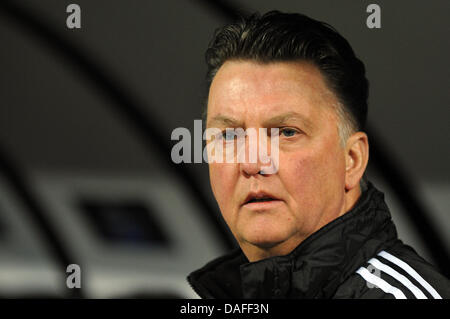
[(395, 273)]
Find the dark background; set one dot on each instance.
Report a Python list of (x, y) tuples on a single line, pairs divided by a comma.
[(58, 117)]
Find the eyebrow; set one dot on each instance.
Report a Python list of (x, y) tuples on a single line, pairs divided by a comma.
[(222, 120), (278, 120), (287, 118)]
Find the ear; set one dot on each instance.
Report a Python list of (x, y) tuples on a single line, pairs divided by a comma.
[(356, 159)]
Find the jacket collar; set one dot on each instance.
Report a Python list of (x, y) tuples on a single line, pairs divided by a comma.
[(315, 268)]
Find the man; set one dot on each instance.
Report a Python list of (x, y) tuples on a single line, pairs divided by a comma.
[(311, 228)]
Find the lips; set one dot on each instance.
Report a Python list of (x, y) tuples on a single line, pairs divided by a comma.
[(259, 197)]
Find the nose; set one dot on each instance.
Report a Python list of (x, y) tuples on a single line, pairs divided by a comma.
[(250, 169), (253, 164)]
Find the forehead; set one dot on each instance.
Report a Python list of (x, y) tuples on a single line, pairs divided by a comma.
[(244, 89)]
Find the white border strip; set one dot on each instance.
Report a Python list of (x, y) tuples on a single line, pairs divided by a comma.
[(393, 273), (380, 283), (411, 272)]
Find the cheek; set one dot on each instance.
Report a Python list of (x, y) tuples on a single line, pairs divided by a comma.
[(223, 181), (298, 173), (307, 173)]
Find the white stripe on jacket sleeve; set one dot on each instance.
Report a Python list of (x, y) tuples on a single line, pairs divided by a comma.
[(394, 274), (411, 272), (380, 283)]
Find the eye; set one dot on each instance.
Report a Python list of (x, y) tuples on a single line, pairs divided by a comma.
[(228, 135), (288, 132)]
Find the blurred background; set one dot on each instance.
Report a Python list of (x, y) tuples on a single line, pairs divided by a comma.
[(86, 117)]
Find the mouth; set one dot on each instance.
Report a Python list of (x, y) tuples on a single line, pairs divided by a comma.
[(259, 199)]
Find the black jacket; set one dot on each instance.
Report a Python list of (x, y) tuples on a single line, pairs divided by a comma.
[(358, 255)]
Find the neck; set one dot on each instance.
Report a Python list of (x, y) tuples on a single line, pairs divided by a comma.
[(350, 199)]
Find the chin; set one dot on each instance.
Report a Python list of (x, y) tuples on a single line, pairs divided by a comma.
[(265, 239)]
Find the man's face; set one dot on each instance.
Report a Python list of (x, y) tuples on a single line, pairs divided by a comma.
[(308, 189)]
